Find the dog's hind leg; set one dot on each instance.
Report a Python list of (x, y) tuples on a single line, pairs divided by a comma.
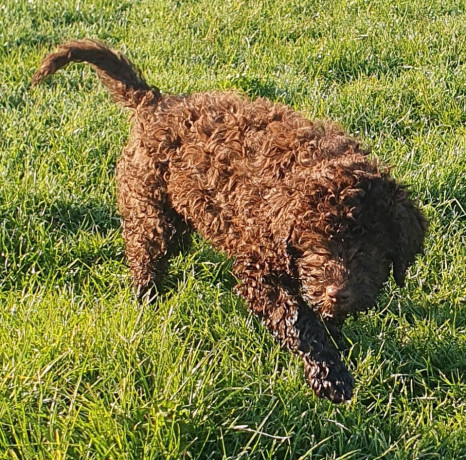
[(151, 227), (296, 326)]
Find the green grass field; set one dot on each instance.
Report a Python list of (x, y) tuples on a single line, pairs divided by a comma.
[(88, 373)]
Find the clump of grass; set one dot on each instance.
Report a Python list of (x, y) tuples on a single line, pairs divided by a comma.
[(87, 372)]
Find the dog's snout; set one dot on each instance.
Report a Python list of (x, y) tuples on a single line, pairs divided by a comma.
[(337, 294)]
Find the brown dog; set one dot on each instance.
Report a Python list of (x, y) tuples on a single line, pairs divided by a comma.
[(312, 224)]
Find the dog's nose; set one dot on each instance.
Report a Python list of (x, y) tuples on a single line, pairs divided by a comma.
[(337, 294)]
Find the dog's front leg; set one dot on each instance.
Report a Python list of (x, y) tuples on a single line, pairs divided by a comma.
[(297, 328), (325, 372)]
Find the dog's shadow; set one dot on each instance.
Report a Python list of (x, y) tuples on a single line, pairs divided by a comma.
[(407, 346), (63, 241), (93, 216), (255, 87)]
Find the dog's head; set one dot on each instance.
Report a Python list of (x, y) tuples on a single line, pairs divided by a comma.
[(362, 224)]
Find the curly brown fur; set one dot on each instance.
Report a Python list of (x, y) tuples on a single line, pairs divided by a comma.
[(312, 223)]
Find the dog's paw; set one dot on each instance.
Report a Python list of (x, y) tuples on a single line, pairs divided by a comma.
[(146, 294), (334, 383)]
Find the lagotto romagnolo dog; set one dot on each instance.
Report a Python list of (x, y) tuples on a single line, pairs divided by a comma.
[(313, 225)]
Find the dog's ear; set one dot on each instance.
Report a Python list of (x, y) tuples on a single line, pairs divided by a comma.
[(408, 230)]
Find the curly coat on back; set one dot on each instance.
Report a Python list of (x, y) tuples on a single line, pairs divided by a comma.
[(312, 224)]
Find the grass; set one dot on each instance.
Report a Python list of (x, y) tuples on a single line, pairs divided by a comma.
[(87, 372)]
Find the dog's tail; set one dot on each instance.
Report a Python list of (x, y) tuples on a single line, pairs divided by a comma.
[(116, 72)]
